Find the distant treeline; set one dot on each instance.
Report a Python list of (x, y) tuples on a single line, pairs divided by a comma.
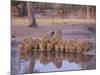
[(19, 9)]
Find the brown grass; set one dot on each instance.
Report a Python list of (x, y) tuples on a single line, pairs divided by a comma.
[(52, 21)]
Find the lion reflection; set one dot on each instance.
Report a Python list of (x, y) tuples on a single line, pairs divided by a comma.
[(56, 57)]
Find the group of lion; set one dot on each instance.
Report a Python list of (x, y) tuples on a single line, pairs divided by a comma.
[(55, 43)]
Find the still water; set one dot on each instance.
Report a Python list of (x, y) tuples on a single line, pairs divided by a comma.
[(38, 62)]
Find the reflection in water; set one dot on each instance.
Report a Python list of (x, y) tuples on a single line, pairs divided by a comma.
[(35, 62)]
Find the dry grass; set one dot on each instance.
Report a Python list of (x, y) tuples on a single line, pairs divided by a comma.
[(52, 21)]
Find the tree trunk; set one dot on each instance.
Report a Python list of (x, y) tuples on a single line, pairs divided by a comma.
[(88, 12), (32, 21)]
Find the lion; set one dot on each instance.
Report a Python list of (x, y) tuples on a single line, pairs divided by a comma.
[(62, 46), (57, 48), (69, 46), (49, 46), (86, 46), (36, 44), (26, 45), (42, 46)]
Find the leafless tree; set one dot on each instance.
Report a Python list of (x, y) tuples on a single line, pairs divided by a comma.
[(30, 10)]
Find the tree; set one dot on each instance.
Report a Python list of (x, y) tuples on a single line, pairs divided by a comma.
[(32, 21), (88, 12)]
